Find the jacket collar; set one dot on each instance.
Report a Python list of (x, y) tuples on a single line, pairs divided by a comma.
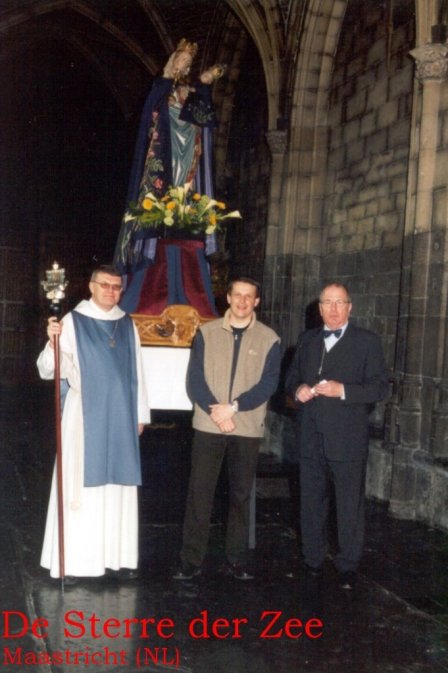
[(226, 321)]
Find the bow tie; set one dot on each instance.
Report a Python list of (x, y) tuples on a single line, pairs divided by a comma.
[(329, 332)]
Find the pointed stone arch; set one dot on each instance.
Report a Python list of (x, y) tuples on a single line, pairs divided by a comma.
[(264, 24), (155, 15), (294, 239), (309, 123), (19, 16)]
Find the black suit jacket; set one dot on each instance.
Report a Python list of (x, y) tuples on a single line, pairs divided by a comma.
[(357, 361)]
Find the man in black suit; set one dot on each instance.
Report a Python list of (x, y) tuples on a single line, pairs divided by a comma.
[(337, 374)]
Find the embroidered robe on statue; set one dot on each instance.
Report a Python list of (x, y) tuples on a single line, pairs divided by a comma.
[(174, 146), (100, 521)]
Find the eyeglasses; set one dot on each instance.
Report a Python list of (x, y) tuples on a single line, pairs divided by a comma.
[(337, 302), (109, 286)]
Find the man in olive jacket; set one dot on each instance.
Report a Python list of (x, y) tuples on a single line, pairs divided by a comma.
[(234, 369), (337, 374)]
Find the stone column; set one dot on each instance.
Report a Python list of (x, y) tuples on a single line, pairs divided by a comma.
[(274, 271), (432, 69), (420, 322), (277, 141)]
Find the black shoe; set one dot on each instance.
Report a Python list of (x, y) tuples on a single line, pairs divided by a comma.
[(312, 571), (238, 571), (71, 580), (186, 571), (347, 580)]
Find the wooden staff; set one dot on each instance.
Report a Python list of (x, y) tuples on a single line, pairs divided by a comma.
[(54, 286), (58, 435)]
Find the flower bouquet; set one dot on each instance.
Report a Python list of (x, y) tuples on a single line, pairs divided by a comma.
[(181, 209)]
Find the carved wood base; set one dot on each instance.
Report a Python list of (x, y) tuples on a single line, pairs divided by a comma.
[(175, 326)]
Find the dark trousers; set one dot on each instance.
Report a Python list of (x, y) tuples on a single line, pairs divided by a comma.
[(207, 456), (316, 475)]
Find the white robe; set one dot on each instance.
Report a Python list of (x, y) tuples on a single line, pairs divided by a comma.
[(101, 522)]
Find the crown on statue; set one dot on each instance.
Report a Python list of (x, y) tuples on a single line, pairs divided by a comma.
[(185, 45)]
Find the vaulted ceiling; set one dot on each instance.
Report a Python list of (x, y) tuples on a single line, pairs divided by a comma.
[(126, 41), (74, 75)]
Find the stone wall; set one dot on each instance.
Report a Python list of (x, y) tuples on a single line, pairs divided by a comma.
[(383, 233), (370, 124), (369, 120), (363, 213)]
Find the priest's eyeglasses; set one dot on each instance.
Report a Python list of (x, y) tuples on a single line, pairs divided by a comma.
[(337, 302), (109, 286)]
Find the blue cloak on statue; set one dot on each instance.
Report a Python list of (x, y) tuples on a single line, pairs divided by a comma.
[(160, 161)]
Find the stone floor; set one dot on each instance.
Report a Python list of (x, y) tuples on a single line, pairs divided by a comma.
[(396, 621)]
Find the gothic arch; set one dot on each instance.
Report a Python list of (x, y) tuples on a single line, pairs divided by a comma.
[(263, 22), (16, 17), (308, 127), (156, 17)]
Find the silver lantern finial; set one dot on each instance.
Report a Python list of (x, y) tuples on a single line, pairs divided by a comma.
[(54, 286)]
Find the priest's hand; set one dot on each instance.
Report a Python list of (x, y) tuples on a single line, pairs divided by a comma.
[(54, 328), (141, 427)]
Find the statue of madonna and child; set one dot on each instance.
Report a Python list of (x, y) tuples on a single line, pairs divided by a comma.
[(173, 149)]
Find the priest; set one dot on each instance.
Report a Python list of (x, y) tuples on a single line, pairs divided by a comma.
[(104, 412)]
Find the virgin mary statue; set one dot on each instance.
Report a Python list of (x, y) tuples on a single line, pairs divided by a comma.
[(173, 147)]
